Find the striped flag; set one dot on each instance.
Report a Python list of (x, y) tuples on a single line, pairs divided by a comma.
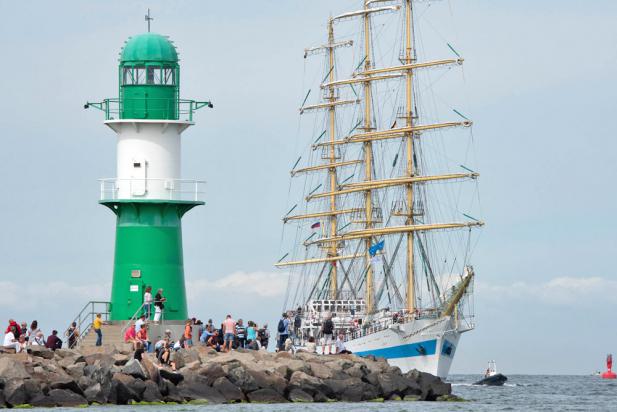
[(316, 225)]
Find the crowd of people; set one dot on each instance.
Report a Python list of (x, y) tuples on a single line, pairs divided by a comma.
[(289, 327), (19, 336)]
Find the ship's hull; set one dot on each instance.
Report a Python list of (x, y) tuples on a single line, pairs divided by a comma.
[(427, 345)]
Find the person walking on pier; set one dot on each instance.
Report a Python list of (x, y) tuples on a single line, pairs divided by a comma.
[(96, 325)]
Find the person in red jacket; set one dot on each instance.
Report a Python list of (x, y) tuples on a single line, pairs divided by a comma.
[(14, 324)]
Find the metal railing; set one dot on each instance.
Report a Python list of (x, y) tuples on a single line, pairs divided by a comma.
[(152, 188), (126, 323), (152, 108), (85, 319)]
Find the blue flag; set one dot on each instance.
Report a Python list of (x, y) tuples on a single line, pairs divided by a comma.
[(376, 248)]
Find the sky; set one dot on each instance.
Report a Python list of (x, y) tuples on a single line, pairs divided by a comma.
[(540, 88)]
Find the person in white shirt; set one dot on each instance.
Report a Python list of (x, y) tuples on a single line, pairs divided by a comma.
[(311, 345), (140, 322), (340, 344), (38, 339), (148, 302), (10, 341)]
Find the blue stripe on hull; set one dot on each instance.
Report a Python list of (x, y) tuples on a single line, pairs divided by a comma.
[(425, 348)]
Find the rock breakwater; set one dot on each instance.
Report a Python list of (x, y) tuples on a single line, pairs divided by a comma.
[(110, 375)]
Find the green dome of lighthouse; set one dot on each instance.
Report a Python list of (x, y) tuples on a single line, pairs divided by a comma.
[(149, 47)]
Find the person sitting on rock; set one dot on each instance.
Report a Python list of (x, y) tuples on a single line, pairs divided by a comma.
[(205, 335), (10, 342), (165, 353), (33, 331), (38, 339), (213, 341), (53, 341), (139, 351), (14, 324), (340, 345), (311, 346), (24, 329), (130, 336), (289, 347), (142, 338)]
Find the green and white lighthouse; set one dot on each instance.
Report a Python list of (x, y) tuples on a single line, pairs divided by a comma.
[(148, 196)]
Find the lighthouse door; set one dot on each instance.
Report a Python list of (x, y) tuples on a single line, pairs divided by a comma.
[(138, 177)]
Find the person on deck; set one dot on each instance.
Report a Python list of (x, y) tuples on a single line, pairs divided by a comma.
[(327, 329), (53, 341)]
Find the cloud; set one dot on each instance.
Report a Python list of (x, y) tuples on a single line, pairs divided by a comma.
[(557, 291), (40, 295), (258, 284)]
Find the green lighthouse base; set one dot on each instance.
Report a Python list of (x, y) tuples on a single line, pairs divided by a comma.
[(148, 253)]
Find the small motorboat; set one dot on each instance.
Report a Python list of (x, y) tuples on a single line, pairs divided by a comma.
[(491, 377)]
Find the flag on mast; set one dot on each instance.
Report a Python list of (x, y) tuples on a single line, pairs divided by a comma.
[(315, 225), (376, 248)]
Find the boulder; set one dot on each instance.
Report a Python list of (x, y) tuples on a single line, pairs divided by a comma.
[(86, 351), (212, 371), (228, 390), (76, 370), (188, 356), (242, 378), (152, 371), (358, 370), (151, 392), (15, 392), (170, 392), (65, 397), (65, 382), (298, 395), (309, 384), (267, 379), (133, 367), (266, 395), (320, 371), (120, 359), (430, 387), (121, 391), (12, 368), (197, 389), (173, 377), (41, 352), (96, 393), (392, 384)]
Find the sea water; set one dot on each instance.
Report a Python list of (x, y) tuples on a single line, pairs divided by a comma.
[(520, 393)]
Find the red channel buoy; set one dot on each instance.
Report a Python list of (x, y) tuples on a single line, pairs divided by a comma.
[(609, 374)]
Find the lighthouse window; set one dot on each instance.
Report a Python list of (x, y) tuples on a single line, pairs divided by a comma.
[(127, 76), (137, 165), (139, 75), (168, 76)]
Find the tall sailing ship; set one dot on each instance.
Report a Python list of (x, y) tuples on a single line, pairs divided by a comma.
[(381, 241)]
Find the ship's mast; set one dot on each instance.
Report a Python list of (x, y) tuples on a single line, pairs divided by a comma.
[(411, 295), (368, 161), (332, 170)]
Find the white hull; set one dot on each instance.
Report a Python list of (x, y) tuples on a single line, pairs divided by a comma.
[(427, 345)]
